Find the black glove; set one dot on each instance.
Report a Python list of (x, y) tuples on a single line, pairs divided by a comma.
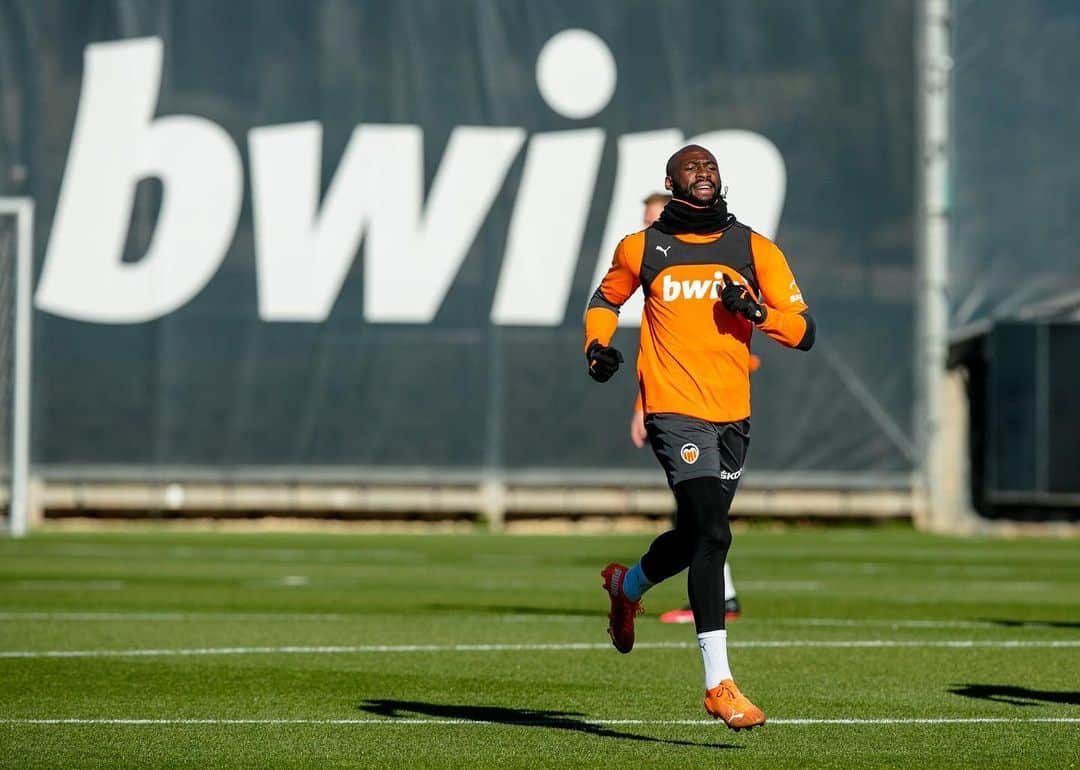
[(738, 300), (603, 361)]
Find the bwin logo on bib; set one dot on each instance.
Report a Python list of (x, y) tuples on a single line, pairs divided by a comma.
[(689, 453), (697, 289)]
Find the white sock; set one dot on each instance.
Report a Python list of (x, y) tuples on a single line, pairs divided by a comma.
[(729, 584), (713, 646), (635, 583)]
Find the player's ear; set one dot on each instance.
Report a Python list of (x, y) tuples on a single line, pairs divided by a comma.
[(667, 183)]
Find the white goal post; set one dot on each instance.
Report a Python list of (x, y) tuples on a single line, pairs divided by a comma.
[(19, 265)]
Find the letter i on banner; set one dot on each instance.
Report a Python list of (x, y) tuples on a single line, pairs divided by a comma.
[(546, 228), (576, 76)]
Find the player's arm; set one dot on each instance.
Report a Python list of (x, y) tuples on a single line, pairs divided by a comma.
[(638, 434), (602, 314), (787, 317)]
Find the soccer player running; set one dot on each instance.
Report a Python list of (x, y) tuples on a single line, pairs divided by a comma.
[(708, 281), (654, 207)]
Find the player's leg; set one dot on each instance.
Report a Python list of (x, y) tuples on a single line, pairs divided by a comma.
[(671, 437), (731, 604), (683, 614), (668, 554), (708, 501), (705, 502), (685, 448)]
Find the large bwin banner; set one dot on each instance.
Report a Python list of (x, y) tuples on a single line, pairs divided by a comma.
[(333, 237)]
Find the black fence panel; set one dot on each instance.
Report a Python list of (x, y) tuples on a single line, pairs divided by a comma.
[(1016, 171)]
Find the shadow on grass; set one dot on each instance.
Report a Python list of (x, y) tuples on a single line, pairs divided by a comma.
[(516, 609), (556, 720), (1015, 696), (1009, 623)]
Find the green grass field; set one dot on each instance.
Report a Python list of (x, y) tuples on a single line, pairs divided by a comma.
[(867, 647)]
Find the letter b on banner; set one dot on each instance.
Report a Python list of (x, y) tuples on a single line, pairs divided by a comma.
[(117, 142)]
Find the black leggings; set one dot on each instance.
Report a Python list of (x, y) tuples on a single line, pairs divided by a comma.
[(700, 541)]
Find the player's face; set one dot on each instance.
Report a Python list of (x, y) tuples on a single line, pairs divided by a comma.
[(652, 213), (696, 177)]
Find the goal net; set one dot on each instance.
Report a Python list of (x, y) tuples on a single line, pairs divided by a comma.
[(16, 226)]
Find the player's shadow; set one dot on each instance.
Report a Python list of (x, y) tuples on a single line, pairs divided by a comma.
[(1015, 696), (502, 715), (514, 609), (1009, 623)]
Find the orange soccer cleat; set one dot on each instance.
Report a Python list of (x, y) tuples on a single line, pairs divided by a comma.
[(726, 702), (686, 615), (683, 615), (623, 611)]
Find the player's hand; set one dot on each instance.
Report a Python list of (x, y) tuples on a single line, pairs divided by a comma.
[(603, 361), (638, 434), (738, 300)]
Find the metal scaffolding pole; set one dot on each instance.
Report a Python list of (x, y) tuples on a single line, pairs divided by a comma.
[(933, 81), (18, 506)]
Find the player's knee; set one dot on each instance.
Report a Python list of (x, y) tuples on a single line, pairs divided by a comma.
[(703, 514), (718, 536), (681, 543)]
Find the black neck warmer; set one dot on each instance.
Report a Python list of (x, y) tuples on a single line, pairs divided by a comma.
[(680, 217)]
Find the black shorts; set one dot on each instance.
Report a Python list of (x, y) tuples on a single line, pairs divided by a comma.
[(689, 448)]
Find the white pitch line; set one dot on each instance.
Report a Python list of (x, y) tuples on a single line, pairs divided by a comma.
[(780, 585), (90, 616), (886, 623), (945, 643), (240, 555), (64, 585), (548, 721), (170, 616), (558, 647)]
